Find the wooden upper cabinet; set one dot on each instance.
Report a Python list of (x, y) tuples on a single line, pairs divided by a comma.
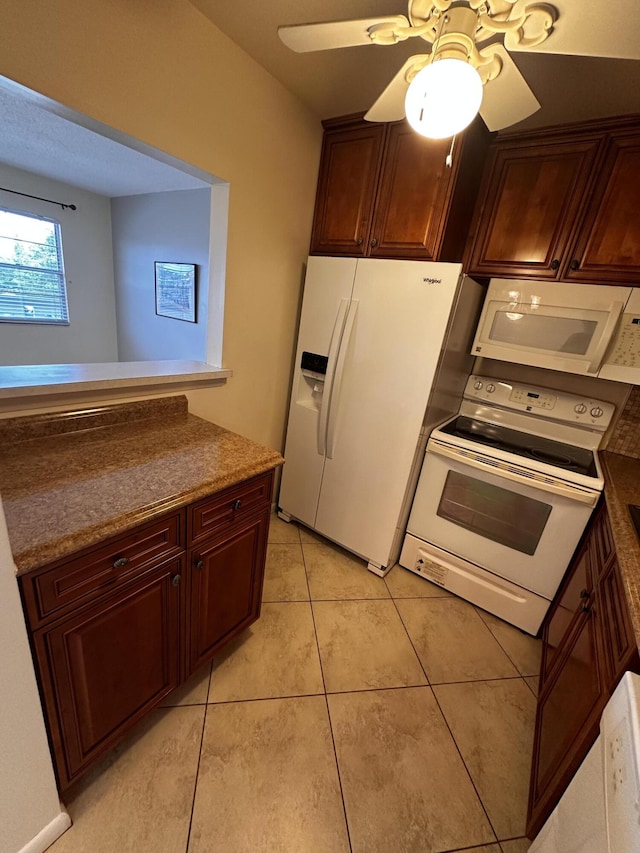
[(608, 246), (561, 204), (385, 191), (348, 173), (411, 205), (532, 193)]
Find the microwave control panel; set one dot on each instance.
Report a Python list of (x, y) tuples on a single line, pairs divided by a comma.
[(622, 362)]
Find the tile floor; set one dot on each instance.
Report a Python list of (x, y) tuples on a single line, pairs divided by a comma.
[(358, 714)]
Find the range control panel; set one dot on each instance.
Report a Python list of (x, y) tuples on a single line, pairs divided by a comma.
[(541, 401)]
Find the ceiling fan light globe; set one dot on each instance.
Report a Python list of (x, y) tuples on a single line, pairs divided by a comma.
[(443, 98)]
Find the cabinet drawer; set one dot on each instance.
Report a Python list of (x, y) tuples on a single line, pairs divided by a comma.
[(50, 592), (221, 511)]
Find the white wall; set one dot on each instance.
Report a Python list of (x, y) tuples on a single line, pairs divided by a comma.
[(86, 247), (28, 797), (168, 226)]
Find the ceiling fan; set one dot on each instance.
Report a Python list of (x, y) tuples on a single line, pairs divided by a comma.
[(466, 67)]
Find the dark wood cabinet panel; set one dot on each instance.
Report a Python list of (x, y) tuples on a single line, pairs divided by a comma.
[(226, 587), (567, 719), (573, 598), (608, 248), (411, 206), (349, 170), (531, 196), (104, 667), (414, 206), (588, 644)]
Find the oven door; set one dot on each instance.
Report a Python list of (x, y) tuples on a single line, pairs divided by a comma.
[(500, 520)]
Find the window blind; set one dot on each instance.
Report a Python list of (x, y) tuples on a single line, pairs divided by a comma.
[(32, 282)]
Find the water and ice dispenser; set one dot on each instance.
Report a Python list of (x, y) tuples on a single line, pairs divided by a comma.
[(313, 370)]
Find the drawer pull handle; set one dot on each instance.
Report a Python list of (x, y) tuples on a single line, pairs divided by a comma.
[(237, 504), (175, 580), (200, 565), (120, 563)]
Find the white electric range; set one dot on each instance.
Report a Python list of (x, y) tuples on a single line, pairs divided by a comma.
[(506, 489)]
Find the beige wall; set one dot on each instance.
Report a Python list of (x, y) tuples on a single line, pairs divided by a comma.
[(159, 71)]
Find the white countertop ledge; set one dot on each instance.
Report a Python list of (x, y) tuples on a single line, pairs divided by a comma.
[(35, 380)]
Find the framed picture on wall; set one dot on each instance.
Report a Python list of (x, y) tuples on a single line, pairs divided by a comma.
[(176, 290)]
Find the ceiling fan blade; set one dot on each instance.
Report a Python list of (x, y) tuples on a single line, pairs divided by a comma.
[(507, 99), (588, 28), (390, 104), (326, 36)]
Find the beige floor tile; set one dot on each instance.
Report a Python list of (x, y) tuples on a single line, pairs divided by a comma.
[(516, 845), (405, 788), (363, 645), (405, 584), (534, 683), (336, 574), (268, 780), (492, 723), (139, 798), (307, 535), (193, 692), (277, 656), (524, 651), (452, 641), (283, 532), (285, 578)]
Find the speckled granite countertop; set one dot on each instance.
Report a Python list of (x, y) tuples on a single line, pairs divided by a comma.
[(69, 480), (622, 487)]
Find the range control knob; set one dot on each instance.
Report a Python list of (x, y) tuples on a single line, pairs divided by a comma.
[(491, 388), (580, 409), (477, 385), (596, 412)]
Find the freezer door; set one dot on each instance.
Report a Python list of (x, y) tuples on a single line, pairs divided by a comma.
[(390, 349), (327, 294)]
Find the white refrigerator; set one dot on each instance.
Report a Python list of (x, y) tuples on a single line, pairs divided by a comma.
[(382, 356)]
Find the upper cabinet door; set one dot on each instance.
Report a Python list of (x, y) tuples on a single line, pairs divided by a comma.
[(608, 245), (346, 190), (529, 202), (412, 203)]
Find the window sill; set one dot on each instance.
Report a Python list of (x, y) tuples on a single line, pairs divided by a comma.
[(37, 380)]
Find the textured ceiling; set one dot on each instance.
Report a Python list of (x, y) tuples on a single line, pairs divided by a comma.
[(38, 140), (338, 82)]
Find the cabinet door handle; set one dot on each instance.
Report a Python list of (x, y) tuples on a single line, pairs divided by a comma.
[(584, 593), (200, 564), (374, 243), (237, 504), (175, 580), (555, 263), (575, 264), (120, 562), (359, 241), (586, 608)]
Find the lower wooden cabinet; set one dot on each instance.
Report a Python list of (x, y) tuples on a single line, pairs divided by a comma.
[(588, 644), (124, 623)]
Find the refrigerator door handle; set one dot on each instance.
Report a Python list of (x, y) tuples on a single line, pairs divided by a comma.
[(336, 384), (334, 347)]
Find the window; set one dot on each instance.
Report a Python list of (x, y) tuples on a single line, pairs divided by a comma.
[(32, 285)]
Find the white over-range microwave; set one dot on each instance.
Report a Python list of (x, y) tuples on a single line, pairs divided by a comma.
[(577, 328)]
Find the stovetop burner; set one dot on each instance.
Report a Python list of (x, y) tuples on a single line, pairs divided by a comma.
[(560, 455)]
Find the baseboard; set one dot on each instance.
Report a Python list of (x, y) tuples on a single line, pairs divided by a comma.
[(51, 832)]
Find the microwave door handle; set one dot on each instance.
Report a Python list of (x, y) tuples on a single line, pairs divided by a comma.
[(556, 488), (605, 337), (334, 346)]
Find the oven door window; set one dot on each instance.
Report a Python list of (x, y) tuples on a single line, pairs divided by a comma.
[(493, 512)]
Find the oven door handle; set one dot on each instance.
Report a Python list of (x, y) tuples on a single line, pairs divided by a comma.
[(473, 461)]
